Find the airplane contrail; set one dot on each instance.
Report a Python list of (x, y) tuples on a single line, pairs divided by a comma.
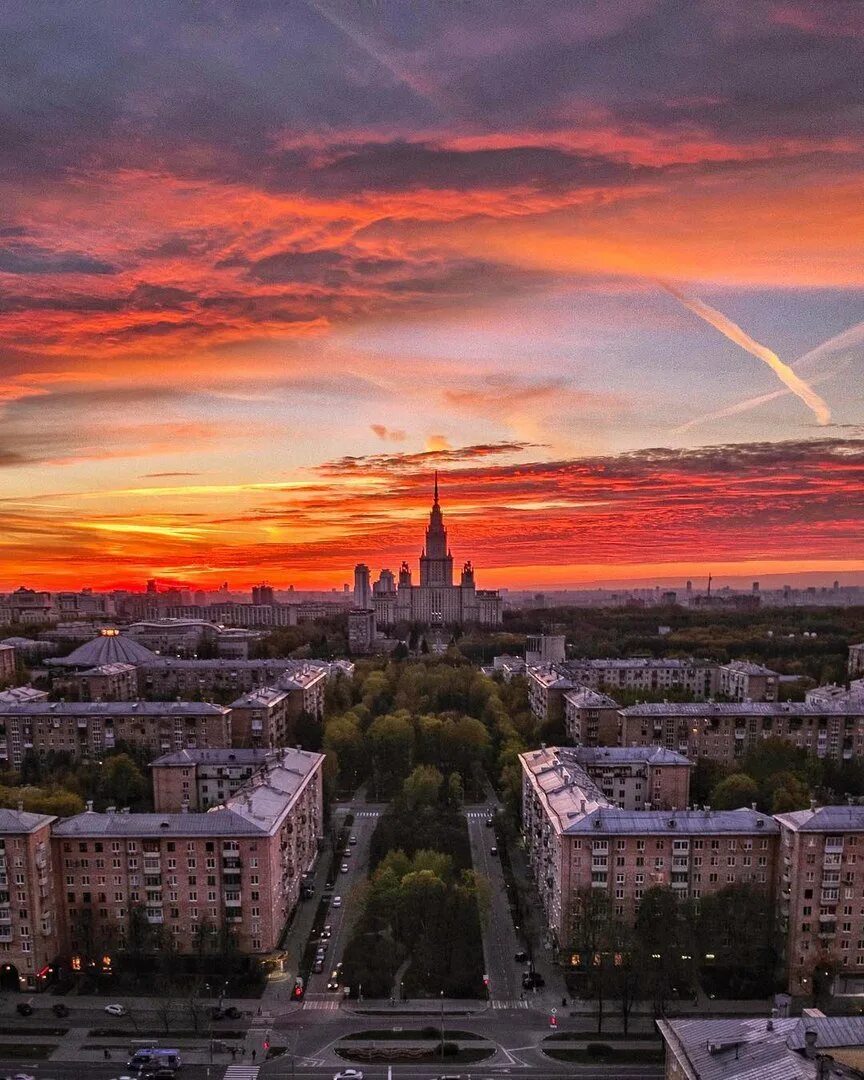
[(846, 339), (734, 332)]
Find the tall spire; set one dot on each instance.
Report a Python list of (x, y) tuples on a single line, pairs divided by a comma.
[(436, 487)]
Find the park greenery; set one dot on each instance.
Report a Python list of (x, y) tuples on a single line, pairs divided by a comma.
[(418, 927)]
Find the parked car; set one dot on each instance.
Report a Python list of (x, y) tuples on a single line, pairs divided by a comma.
[(318, 967), (24, 1008), (347, 853), (231, 1013), (521, 956), (352, 840), (489, 822), (116, 1010), (532, 980), (493, 850), (326, 930), (337, 901), (60, 1009), (344, 867)]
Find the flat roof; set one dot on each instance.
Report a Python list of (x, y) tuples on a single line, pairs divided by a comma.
[(115, 708), (20, 821), (741, 708), (825, 819)]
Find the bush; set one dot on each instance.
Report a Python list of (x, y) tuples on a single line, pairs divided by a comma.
[(599, 1050)]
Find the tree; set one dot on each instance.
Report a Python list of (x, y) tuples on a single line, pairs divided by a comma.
[(735, 791), (422, 787), (666, 944), (121, 782), (788, 793), (591, 938), (735, 929), (455, 791), (391, 745)]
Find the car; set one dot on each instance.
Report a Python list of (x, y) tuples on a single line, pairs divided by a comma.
[(520, 957), (23, 1076), (328, 884), (349, 1074), (344, 867), (493, 850), (232, 1012), (337, 901), (352, 840), (116, 1010), (326, 931), (318, 967), (323, 947), (347, 853), (24, 1008), (532, 980), (60, 1009), (489, 822)]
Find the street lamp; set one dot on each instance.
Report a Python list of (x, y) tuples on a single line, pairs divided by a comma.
[(442, 1025)]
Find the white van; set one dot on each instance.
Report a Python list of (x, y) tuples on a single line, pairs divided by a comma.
[(154, 1057)]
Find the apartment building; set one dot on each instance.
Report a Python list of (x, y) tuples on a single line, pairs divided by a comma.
[(590, 717), (7, 665), (169, 677), (21, 695), (821, 892), (740, 680), (635, 777), (855, 665), (547, 683), (240, 865), (30, 919), (87, 729), (576, 838), (199, 779), (109, 682), (263, 718), (726, 731)]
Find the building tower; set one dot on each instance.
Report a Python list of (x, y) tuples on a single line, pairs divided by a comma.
[(362, 590), (436, 562)]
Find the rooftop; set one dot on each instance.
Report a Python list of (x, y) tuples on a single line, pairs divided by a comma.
[(261, 698), (115, 708), (825, 819), (216, 756), (624, 755), (259, 807), (739, 708), (583, 697), (110, 647), (18, 821), (21, 695), (758, 1049), (745, 667), (109, 669)]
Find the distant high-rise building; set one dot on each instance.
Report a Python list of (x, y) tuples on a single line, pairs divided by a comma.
[(262, 594), (436, 601), (362, 588)]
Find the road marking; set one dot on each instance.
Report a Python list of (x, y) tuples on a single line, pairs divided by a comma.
[(509, 1003), (242, 1072), (311, 1063), (330, 1006)]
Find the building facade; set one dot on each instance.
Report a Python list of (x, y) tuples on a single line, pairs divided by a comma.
[(109, 682), (7, 665), (726, 731), (436, 601), (168, 678), (855, 664), (740, 680), (30, 915), (238, 866), (199, 779), (262, 718), (85, 730), (634, 778), (577, 839), (590, 717)]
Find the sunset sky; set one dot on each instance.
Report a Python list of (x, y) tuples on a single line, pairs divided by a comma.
[(264, 266)]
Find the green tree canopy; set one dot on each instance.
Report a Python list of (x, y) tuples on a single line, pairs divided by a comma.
[(735, 791)]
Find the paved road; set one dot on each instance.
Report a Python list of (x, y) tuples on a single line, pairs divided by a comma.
[(500, 942), (277, 1070), (63, 1070), (342, 919)]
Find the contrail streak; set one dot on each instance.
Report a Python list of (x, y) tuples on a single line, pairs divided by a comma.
[(846, 339), (734, 332)]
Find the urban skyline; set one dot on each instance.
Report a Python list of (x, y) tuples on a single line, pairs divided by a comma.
[(265, 269)]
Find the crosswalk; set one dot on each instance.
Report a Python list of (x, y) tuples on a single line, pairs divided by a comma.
[(330, 1006), (473, 815), (509, 1003), (367, 813), (242, 1072)]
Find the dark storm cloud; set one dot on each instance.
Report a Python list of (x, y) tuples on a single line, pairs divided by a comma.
[(30, 258)]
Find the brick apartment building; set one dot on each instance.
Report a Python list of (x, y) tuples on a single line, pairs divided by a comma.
[(264, 717), (240, 865), (577, 839), (590, 717), (30, 916), (199, 779), (108, 682), (7, 665), (726, 731), (635, 777), (742, 681), (304, 683), (87, 729)]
